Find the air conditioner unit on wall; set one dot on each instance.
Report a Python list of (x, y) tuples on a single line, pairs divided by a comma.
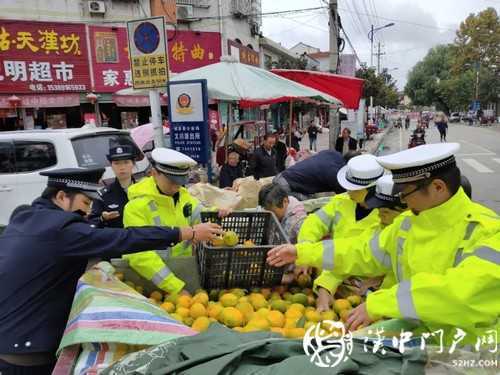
[(184, 12), (97, 7)]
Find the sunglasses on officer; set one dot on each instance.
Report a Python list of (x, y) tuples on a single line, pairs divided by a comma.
[(419, 186)]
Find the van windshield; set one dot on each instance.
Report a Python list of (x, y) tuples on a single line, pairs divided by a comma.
[(91, 151)]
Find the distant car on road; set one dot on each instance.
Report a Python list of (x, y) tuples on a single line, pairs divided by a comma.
[(454, 117), (25, 153)]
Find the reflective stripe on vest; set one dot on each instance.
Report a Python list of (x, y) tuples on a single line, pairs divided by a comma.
[(378, 253), (156, 215), (157, 222), (324, 217), (405, 226), (485, 253), (161, 275), (405, 300), (328, 254), (196, 215), (468, 234)]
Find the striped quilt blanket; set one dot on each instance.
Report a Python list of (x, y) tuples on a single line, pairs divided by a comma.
[(109, 319)]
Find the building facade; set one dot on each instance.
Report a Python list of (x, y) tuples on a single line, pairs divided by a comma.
[(62, 56)]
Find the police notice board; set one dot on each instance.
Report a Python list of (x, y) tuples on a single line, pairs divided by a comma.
[(147, 44), (188, 115)]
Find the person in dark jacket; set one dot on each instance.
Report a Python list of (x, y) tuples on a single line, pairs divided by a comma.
[(263, 162), (346, 143), (281, 153), (45, 250), (108, 212), (312, 132), (317, 174), (230, 171)]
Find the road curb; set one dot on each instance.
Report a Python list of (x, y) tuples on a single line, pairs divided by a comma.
[(374, 148)]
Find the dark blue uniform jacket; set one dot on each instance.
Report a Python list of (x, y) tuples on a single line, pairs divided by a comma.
[(43, 252), (114, 198)]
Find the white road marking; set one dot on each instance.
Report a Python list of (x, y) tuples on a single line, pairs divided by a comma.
[(473, 144), (400, 139), (496, 160), (473, 163)]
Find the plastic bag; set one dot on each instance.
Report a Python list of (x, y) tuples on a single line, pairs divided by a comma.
[(212, 196)]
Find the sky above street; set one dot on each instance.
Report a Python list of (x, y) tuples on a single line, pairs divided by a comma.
[(419, 25)]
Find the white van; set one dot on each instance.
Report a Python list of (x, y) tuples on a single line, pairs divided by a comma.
[(23, 154)]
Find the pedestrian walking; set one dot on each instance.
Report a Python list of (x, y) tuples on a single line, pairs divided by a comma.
[(312, 132), (407, 122), (441, 122)]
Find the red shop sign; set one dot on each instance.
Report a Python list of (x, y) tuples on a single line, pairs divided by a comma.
[(192, 49), (43, 101), (43, 57), (110, 62)]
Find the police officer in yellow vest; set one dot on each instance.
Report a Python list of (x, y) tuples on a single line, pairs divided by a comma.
[(162, 200), (346, 215), (445, 252)]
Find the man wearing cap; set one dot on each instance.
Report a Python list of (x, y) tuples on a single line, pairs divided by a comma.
[(45, 249), (162, 199), (444, 252), (108, 211)]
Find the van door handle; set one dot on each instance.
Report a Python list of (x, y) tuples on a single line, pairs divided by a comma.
[(5, 188)]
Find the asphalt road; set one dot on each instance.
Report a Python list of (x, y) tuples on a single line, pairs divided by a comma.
[(478, 158)]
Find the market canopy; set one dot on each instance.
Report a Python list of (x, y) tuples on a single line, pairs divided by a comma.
[(348, 90), (230, 80)]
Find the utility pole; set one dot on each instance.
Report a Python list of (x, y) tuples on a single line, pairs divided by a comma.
[(334, 126), (378, 58), (370, 36)]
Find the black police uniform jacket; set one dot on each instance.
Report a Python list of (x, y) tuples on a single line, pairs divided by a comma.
[(114, 198), (43, 252)]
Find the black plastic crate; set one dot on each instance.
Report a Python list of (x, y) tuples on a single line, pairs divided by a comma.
[(241, 267)]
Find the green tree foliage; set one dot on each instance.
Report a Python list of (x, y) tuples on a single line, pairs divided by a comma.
[(381, 87), (446, 77)]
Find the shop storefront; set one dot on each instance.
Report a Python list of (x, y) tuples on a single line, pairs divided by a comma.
[(43, 69), (66, 74)]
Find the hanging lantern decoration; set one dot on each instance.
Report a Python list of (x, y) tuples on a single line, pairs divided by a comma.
[(14, 101)]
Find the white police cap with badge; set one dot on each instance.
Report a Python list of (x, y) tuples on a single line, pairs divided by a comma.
[(383, 195), (361, 172), (420, 162), (173, 164)]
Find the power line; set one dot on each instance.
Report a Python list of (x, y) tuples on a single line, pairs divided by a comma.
[(352, 47), (402, 21)]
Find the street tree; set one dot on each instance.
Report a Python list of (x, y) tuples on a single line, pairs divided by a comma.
[(381, 87)]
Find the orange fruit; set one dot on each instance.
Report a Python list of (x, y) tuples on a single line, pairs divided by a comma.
[(168, 307), (184, 301), (156, 295), (341, 304), (276, 319), (197, 310), (201, 324), (231, 317)]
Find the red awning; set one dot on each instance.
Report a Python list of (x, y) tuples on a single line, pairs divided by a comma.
[(347, 89), (42, 101)]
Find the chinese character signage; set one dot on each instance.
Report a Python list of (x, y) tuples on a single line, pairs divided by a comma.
[(188, 115), (147, 44), (245, 55), (192, 49), (110, 61), (43, 57)]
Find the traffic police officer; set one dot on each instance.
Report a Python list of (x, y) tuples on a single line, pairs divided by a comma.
[(444, 252), (44, 250), (162, 199), (346, 215), (109, 211)]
